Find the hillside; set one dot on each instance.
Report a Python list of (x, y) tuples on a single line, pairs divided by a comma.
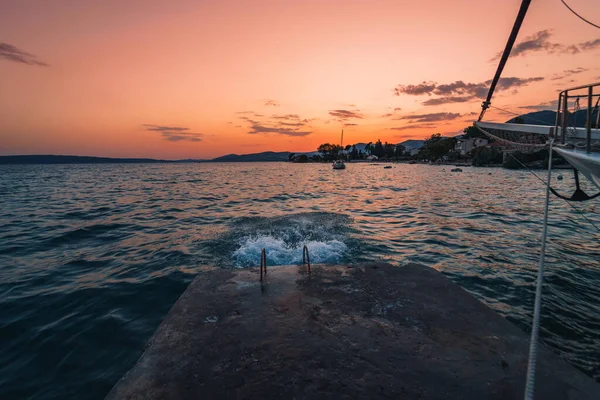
[(264, 156), (548, 117), (54, 159)]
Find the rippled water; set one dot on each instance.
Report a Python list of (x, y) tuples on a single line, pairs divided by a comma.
[(93, 256)]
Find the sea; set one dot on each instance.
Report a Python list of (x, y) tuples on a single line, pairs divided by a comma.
[(92, 257)]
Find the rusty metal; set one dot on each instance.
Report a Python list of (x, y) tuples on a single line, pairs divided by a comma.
[(306, 258)]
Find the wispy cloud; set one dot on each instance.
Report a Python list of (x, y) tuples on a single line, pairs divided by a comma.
[(590, 44), (175, 133), (460, 91), (540, 42), (546, 105), (284, 124), (431, 117), (387, 115), (415, 90), (345, 114), (412, 126), (568, 72), (271, 103), (12, 53)]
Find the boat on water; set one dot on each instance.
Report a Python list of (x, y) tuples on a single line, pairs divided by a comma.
[(339, 164), (579, 146)]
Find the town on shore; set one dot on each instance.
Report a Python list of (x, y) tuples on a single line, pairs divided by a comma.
[(470, 148)]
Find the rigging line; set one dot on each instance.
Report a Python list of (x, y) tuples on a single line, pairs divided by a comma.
[(537, 308), (505, 54), (544, 183), (580, 17), (519, 115)]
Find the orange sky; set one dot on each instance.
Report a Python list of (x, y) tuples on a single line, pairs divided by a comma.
[(199, 79)]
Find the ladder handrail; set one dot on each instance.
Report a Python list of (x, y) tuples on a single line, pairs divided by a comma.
[(306, 258), (263, 264)]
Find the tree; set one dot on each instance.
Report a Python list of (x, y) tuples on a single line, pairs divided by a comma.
[(354, 152), (291, 156), (369, 148), (378, 150), (302, 158), (436, 147), (389, 150), (348, 147), (399, 151), (472, 132), (329, 151)]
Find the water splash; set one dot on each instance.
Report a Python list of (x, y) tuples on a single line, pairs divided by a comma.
[(281, 253)]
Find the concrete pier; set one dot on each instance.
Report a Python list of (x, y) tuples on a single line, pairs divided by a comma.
[(369, 331)]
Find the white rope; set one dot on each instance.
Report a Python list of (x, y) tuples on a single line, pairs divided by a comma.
[(537, 310)]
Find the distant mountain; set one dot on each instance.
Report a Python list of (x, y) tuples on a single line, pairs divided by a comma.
[(53, 159), (412, 144), (264, 156), (548, 117)]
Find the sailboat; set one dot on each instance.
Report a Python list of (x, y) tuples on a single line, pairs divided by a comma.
[(580, 147), (339, 163)]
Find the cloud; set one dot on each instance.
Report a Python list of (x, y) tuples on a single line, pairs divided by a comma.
[(345, 114), (590, 44), (512, 82), (572, 49), (397, 109), (271, 103), (568, 72), (413, 126), (460, 88), (432, 117), (540, 41), (286, 116), (546, 105), (350, 124), (446, 100), (12, 53), (285, 124), (460, 91), (415, 90), (258, 128), (175, 133), (387, 115)]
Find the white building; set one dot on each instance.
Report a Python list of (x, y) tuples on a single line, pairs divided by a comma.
[(464, 145)]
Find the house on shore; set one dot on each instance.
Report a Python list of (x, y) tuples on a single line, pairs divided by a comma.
[(465, 144)]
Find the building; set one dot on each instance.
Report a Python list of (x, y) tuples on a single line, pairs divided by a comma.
[(465, 144)]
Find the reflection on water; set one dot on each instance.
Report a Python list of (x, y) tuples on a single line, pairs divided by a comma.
[(92, 257)]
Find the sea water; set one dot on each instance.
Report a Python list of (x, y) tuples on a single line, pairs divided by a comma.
[(93, 256)]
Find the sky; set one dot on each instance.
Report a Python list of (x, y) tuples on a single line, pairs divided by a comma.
[(200, 79)]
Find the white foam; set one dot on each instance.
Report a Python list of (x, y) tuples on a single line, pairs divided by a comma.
[(280, 253)]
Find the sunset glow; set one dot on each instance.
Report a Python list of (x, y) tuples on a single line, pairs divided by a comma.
[(199, 79)]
